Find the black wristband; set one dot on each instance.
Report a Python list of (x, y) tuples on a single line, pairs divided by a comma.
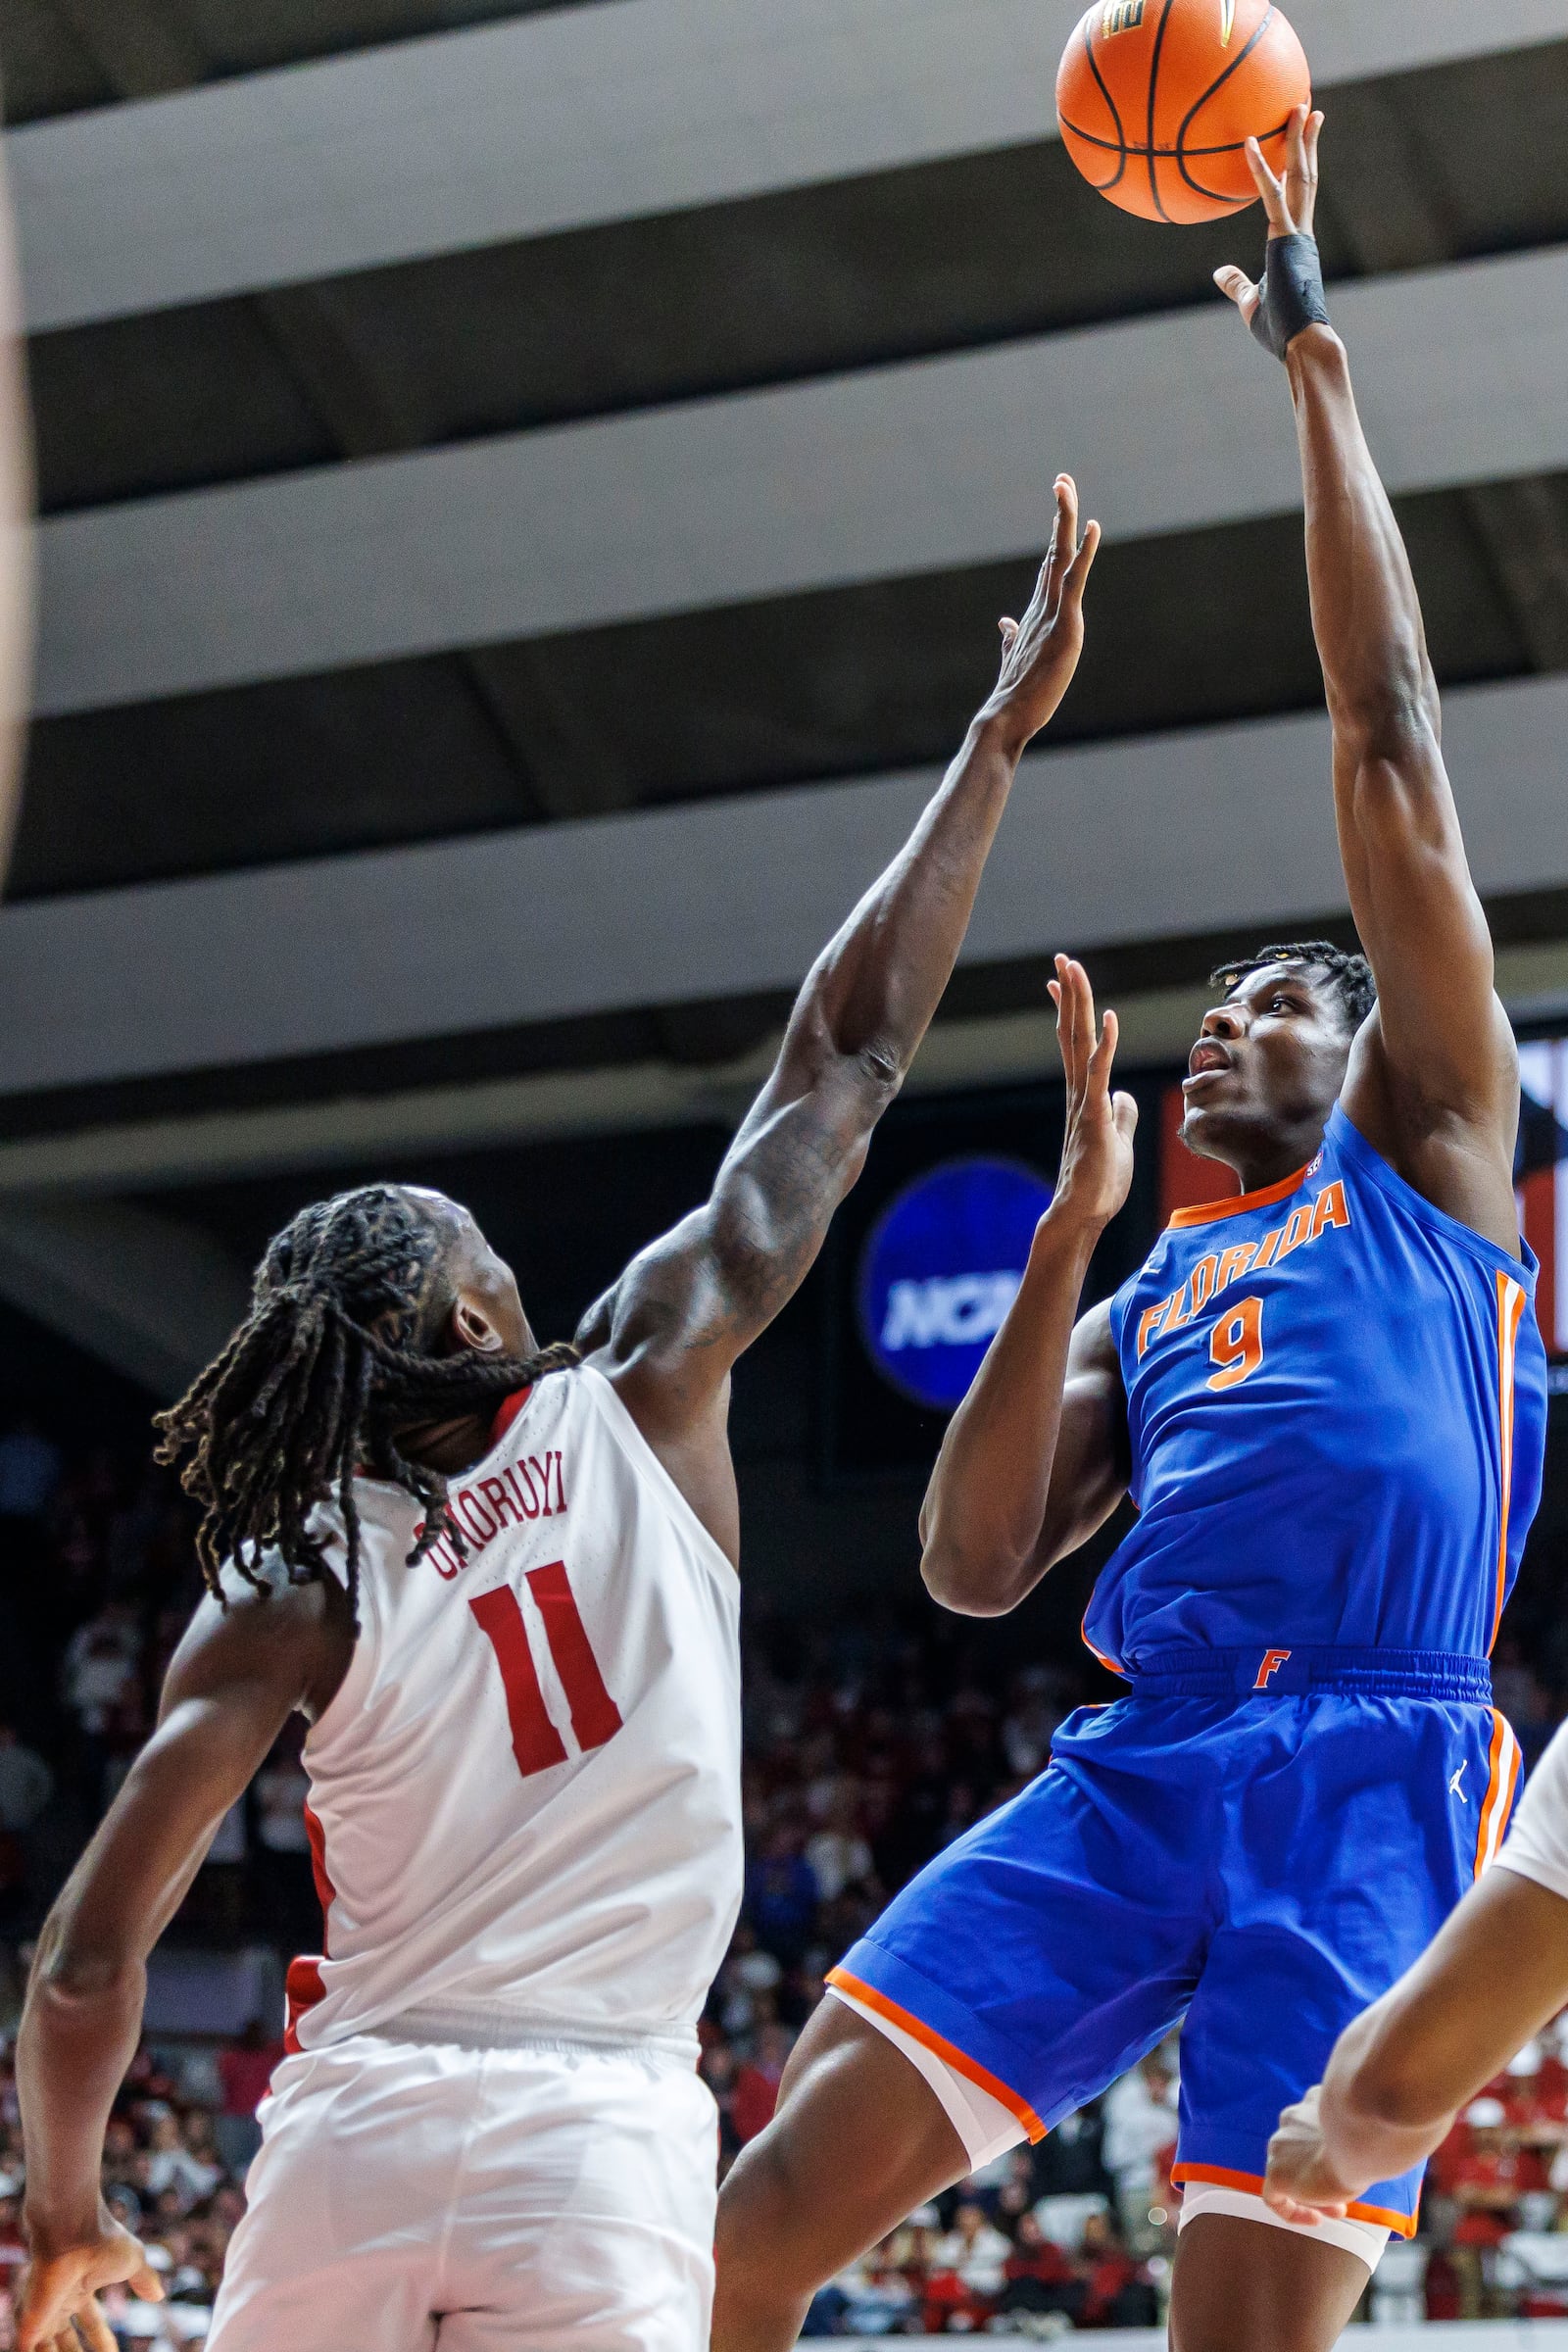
[(1292, 293)]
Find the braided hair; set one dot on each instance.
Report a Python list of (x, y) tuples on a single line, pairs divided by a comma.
[(330, 1365), (1350, 977)]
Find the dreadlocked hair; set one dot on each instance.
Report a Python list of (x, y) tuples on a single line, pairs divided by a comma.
[(318, 1382), (1350, 977)]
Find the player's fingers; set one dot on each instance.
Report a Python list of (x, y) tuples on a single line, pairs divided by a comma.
[(1071, 1040), (1105, 1053), (1065, 542), (1125, 1113), (1310, 136), (1238, 287), (1083, 564), (1088, 1042), (94, 2330), (1271, 190), (1296, 139)]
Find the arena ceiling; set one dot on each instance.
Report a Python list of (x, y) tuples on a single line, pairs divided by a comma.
[(527, 495)]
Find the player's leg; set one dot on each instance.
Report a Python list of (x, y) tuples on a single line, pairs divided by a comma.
[(1024, 1970), (859, 2139), (1346, 1849), (1239, 2285)]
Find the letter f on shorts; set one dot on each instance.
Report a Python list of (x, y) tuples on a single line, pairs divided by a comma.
[(1273, 1660)]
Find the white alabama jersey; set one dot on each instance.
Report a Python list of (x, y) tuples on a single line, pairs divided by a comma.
[(525, 1797), (1537, 1846)]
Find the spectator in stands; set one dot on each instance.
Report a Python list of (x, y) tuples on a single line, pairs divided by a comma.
[(1140, 2140), (26, 1783), (756, 2084), (781, 1894), (1490, 2175), (837, 1855), (245, 2071), (30, 1467), (1039, 2276)]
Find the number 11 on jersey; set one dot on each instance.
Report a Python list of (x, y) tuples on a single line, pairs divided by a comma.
[(595, 1717)]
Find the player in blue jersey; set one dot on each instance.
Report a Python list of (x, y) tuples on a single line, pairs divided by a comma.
[(1327, 1398)]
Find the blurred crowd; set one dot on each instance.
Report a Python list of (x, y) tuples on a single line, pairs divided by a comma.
[(868, 1747)]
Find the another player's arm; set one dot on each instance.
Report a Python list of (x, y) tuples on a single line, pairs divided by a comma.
[(685, 1309), (1400, 2075), (1437, 1066), (235, 1680), (1035, 1456), (16, 529)]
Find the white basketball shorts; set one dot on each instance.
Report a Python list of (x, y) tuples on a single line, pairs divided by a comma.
[(409, 2195)]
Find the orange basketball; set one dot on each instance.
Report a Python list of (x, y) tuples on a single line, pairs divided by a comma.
[(1157, 98)]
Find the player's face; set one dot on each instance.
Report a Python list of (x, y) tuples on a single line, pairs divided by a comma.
[(1266, 1071)]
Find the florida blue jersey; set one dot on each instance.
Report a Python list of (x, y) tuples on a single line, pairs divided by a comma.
[(1336, 1399)]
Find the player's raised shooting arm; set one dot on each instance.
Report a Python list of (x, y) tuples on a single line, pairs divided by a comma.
[(683, 1311), (1440, 1035), (235, 1680), (1035, 1457)]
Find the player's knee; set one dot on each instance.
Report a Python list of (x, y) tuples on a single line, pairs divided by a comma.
[(764, 2217)]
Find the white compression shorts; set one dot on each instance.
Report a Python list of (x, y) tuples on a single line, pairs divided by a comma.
[(987, 2130)]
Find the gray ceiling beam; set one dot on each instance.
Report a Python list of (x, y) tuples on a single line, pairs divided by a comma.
[(139, 52), (152, 1297), (1105, 843), (570, 117), (1393, 218), (873, 474), (408, 1124)]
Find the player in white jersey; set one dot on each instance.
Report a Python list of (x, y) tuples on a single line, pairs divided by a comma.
[(500, 1584), (1402, 2072)]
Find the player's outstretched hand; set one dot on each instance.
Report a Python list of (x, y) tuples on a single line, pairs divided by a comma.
[(1291, 203), (1040, 653), (58, 2310), (1301, 2184), (1097, 1152)]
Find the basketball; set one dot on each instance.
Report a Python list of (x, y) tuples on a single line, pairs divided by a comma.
[(1156, 100)]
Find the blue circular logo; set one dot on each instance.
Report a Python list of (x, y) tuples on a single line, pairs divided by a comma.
[(940, 1269)]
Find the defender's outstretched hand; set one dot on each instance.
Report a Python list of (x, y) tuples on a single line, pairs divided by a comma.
[(1291, 203), (1097, 1152), (1040, 653)]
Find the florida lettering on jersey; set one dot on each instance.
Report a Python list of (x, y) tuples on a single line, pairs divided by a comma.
[(525, 1797), (1215, 1271), (1336, 1399)]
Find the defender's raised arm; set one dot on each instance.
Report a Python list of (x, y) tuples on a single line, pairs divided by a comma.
[(1433, 1083), (672, 1327)]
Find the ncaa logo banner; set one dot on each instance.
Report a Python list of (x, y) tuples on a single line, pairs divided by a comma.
[(941, 1267)]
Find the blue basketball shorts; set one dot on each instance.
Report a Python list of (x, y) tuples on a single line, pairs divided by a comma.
[(1259, 1844)]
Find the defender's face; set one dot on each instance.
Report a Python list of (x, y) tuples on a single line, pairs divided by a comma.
[(1270, 1061)]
